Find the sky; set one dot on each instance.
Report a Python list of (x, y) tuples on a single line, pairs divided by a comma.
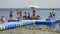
[(25, 3)]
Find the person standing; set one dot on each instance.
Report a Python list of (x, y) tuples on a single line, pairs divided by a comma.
[(33, 17), (28, 15), (25, 15), (18, 15), (11, 15), (53, 13)]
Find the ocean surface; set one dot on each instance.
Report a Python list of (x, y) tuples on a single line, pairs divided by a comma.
[(43, 12)]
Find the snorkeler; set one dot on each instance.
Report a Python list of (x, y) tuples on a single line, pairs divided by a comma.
[(3, 19), (11, 15)]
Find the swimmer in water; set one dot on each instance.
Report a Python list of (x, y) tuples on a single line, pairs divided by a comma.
[(3, 19), (11, 15)]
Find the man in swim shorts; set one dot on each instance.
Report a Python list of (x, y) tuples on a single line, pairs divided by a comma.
[(33, 17)]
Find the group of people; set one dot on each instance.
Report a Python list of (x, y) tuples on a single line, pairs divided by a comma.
[(19, 15), (32, 17), (52, 14)]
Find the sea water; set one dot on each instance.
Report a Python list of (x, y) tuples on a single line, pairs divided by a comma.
[(43, 13)]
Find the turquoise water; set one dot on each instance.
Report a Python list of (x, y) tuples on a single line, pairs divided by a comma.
[(44, 13)]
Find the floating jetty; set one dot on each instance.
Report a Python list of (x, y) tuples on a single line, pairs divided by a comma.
[(15, 23)]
